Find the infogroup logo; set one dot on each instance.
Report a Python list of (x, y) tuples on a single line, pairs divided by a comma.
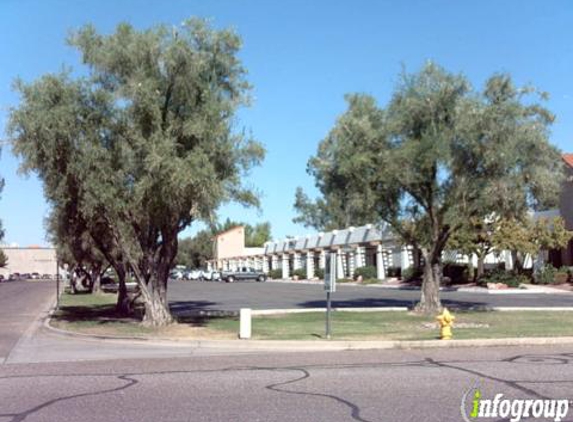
[(479, 407)]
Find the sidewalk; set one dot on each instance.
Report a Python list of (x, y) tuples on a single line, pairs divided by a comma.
[(526, 289)]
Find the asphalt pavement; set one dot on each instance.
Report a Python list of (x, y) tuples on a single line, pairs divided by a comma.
[(20, 304), (193, 295), (391, 385)]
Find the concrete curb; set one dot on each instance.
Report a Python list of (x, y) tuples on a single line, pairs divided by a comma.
[(317, 345), (480, 290)]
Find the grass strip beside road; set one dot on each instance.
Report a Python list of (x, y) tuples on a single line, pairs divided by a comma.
[(405, 325), (95, 314)]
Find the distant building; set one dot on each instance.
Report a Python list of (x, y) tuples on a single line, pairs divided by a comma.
[(230, 251), (372, 245), (33, 259)]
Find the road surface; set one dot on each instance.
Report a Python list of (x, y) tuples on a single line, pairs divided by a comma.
[(20, 304), (392, 385), (233, 296)]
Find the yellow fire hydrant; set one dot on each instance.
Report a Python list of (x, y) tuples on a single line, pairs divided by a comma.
[(446, 321)]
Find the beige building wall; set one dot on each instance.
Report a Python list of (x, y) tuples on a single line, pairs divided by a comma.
[(29, 260), (230, 244)]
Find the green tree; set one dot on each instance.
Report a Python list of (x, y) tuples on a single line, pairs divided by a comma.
[(194, 252), (338, 170), (257, 235), (145, 142), (443, 153), (530, 236), (75, 246)]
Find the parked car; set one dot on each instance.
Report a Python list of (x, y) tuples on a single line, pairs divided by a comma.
[(46, 276), (176, 275), (194, 275), (1, 278), (35, 276), (243, 273), (14, 276), (25, 276), (110, 285)]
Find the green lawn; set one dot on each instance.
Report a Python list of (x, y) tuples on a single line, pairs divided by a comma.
[(96, 314), (405, 325)]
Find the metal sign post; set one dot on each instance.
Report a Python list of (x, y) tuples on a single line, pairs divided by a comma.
[(329, 286), (57, 284)]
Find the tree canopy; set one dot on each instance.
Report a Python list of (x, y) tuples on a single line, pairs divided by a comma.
[(145, 144), (437, 156)]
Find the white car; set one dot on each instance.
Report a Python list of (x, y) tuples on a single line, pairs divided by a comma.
[(176, 275), (194, 275)]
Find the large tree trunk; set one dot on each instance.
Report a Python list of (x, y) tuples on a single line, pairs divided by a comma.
[(517, 261), (430, 296), (95, 277), (123, 304), (480, 266), (157, 312)]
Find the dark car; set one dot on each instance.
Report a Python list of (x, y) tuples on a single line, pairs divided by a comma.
[(243, 273), (1, 278), (109, 285)]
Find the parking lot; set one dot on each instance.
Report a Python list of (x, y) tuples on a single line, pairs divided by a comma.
[(196, 295)]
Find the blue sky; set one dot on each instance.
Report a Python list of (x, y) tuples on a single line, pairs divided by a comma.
[(302, 57)]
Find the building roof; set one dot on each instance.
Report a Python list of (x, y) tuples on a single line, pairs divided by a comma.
[(568, 158), (336, 238)]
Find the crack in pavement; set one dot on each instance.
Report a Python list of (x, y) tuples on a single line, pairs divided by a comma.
[(354, 409), (18, 417)]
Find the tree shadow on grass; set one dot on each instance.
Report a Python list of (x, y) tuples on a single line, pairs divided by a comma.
[(197, 313), (388, 303), (99, 314)]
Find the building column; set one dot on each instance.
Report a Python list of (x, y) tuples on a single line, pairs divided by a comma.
[(339, 265), (322, 259), (359, 257), (309, 265), (265, 264), (380, 270), (285, 266), (296, 261), (405, 258), (352, 264), (275, 262)]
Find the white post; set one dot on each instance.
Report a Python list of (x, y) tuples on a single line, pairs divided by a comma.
[(309, 265), (275, 262), (285, 266), (265, 264), (380, 270), (245, 323), (322, 259)]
